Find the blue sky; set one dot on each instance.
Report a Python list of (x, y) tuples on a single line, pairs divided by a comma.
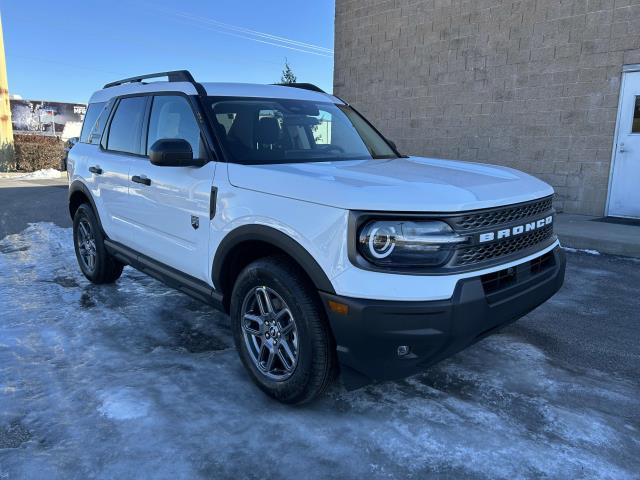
[(63, 51)]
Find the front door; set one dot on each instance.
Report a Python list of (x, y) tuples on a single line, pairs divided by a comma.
[(624, 197), (170, 211)]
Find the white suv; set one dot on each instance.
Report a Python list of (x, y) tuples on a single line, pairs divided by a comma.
[(283, 206)]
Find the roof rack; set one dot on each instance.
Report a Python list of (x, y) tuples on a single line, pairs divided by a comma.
[(303, 86), (173, 76)]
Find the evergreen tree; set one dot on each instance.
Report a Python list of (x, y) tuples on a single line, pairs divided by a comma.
[(287, 74)]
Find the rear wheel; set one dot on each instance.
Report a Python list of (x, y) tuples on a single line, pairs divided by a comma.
[(280, 331), (94, 260)]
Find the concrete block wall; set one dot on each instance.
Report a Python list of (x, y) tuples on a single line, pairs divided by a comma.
[(531, 84)]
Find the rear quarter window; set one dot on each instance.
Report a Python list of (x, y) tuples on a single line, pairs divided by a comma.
[(93, 112)]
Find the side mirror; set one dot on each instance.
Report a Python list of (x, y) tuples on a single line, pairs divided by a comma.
[(173, 152)]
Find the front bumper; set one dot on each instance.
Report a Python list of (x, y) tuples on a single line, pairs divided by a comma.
[(369, 334)]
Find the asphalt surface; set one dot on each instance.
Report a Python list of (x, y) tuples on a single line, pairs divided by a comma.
[(135, 380), (26, 201), (594, 322)]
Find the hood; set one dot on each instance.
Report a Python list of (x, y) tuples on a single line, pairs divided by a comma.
[(413, 184)]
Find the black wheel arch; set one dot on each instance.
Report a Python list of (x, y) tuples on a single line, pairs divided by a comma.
[(78, 194), (265, 240)]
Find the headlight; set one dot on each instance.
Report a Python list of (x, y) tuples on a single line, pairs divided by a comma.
[(396, 243)]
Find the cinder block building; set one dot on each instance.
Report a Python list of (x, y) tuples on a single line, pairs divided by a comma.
[(551, 87)]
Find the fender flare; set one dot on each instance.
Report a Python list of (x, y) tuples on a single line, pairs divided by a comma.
[(78, 186), (279, 240)]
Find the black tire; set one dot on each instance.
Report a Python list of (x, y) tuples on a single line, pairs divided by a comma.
[(316, 356), (106, 269)]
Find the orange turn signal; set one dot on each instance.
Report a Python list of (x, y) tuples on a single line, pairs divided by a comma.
[(339, 308)]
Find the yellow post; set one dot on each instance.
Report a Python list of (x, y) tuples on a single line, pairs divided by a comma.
[(6, 130)]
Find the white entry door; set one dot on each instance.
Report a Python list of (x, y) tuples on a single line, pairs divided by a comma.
[(624, 197)]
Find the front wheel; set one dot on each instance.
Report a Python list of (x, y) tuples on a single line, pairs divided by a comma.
[(280, 331)]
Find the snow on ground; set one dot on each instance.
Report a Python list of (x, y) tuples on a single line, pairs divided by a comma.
[(38, 174), (582, 250), (135, 380)]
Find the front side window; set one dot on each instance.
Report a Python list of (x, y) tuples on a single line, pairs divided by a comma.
[(635, 126), (272, 130), (172, 117), (124, 131)]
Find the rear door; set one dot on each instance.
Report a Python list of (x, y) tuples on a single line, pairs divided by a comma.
[(170, 211), (120, 144)]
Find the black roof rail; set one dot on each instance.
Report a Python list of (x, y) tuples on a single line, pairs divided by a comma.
[(303, 86), (173, 76)]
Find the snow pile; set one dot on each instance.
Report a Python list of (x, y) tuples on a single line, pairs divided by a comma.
[(134, 380), (40, 174), (581, 250)]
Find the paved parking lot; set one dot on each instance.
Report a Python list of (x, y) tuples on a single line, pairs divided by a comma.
[(138, 381), (22, 202)]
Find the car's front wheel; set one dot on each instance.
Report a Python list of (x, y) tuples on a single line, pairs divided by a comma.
[(281, 332), (94, 260)]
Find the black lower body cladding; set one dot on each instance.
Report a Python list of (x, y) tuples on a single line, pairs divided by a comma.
[(371, 337)]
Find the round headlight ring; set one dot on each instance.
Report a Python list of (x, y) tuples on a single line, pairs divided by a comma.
[(382, 245)]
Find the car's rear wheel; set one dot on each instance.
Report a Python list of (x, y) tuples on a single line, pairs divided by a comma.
[(94, 260), (281, 332)]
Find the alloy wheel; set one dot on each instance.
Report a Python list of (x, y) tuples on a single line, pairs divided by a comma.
[(270, 333), (86, 244)]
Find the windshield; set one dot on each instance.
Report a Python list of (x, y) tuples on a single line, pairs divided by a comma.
[(270, 130)]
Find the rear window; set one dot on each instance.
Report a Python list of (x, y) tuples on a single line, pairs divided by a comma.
[(124, 131), (93, 112)]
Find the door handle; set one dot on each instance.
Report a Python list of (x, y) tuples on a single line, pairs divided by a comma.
[(622, 149), (97, 170), (142, 180)]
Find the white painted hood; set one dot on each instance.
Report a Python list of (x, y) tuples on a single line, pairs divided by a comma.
[(411, 184)]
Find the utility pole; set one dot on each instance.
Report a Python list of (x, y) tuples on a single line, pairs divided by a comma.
[(6, 129)]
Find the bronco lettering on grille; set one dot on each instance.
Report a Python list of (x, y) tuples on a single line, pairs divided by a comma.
[(514, 231)]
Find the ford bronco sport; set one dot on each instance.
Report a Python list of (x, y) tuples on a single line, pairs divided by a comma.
[(281, 205)]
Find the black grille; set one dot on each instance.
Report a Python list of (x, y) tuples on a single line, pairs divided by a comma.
[(493, 282), (542, 263), (496, 281), (475, 221), (476, 254)]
